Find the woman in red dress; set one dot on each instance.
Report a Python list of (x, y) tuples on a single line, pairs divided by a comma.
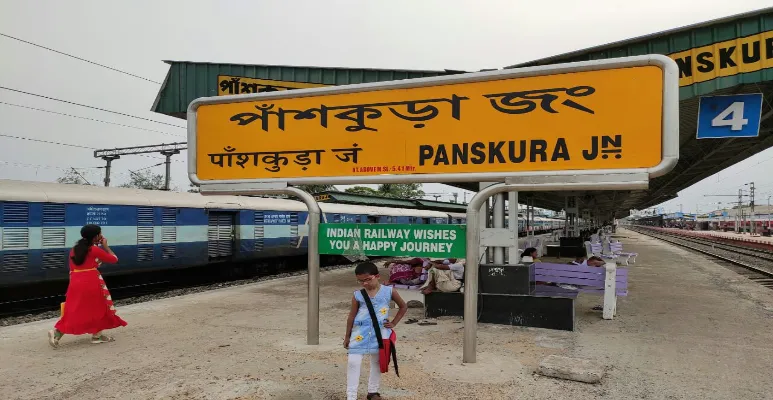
[(88, 307)]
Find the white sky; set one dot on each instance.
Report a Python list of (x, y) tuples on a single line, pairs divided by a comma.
[(406, 34)]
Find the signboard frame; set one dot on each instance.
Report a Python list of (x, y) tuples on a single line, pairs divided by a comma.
[(393, 240), (669, 125)]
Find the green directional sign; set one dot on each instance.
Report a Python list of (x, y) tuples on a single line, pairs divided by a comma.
[(398, 240)]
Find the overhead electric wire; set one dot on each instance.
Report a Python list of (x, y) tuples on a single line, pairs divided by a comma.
[(43, 166), (89, 119), (79, 58), (70, 145), (148, 167), (20, 164), (47, 141), (92, 107)]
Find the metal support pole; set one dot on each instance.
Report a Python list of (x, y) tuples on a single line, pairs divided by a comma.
[(499, 222), (473, 244), (512, 199), (576, 216), (315, 214), (738, 212), (108, 167), (752, 227), (484, 223), (168, 162), (168, 173), (312, 306)]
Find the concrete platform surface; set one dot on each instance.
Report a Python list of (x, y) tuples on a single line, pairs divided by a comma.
[(690, 329)]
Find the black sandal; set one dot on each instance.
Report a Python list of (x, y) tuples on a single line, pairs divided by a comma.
[(373, 396)]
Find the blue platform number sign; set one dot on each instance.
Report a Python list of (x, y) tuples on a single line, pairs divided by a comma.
[(735, 116)]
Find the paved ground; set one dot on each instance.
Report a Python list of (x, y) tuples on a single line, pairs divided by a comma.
[(689, 330)]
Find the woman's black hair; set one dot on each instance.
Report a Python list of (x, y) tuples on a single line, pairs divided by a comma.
[(81, 249), (527, 252)]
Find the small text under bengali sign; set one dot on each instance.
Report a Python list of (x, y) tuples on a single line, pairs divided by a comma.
[(397, 240)]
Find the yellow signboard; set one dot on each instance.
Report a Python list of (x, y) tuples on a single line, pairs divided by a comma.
[(732, 57), (604, 119), (227, 85)]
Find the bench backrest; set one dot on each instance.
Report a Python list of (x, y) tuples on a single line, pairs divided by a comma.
[(591, 278)]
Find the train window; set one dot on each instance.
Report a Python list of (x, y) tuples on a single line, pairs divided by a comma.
[(16, 213), (54, 260), (336, 218), (54, 237), (53, 213), (168, 233), (145, 216), (15, 238), (169, 216), (15, 262), (145, 233), (426, 221), (373, 219), (144, 254), (168, 251)]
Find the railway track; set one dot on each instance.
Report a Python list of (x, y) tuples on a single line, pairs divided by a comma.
[(757, 265)]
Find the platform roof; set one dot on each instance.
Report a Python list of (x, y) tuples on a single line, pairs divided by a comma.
[(698, 159), (186, 81)]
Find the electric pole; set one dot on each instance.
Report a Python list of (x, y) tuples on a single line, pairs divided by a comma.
[(167, 150), (752, 227), (738, 214)]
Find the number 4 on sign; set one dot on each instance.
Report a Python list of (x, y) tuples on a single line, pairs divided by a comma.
[(736, 121)]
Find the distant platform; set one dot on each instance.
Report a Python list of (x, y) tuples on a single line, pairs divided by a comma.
[(731, 235), (689, 329)]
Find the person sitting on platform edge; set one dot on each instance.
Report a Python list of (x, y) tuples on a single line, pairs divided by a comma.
[(529, 256), (445, 276)]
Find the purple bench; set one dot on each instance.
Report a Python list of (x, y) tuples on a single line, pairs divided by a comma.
[(608, 281)]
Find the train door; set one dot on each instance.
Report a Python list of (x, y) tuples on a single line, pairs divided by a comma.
[(221, 235)]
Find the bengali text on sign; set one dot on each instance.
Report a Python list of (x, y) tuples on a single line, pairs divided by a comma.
[(591, 120)]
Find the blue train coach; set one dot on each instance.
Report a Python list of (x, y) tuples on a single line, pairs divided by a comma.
[(156, 230)]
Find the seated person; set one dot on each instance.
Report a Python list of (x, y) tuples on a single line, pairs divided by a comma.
[(579, 258), (596, 262), (529, 256), (446, 276), (406, 272)]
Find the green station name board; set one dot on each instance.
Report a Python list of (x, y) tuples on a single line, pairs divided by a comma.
[(396, 240)]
